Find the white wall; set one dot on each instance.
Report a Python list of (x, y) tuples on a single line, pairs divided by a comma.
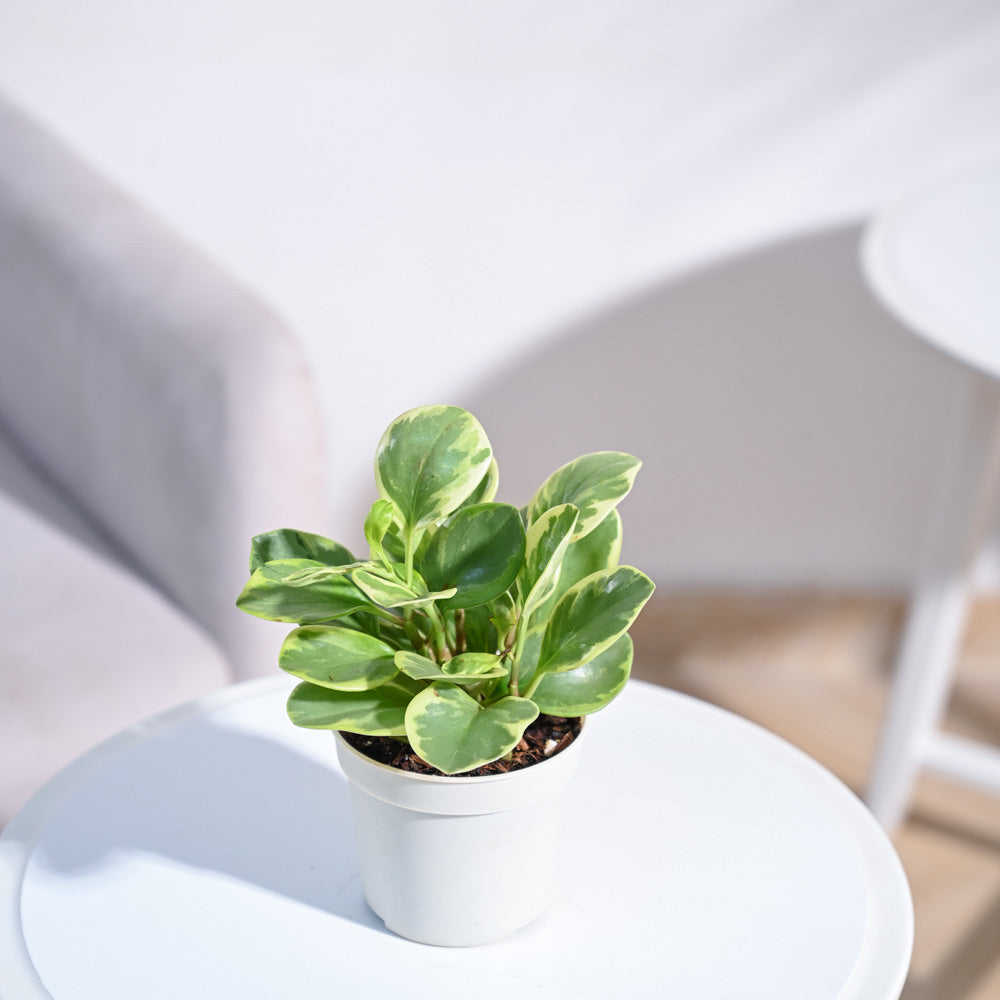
[(596, 224), (790, 429)]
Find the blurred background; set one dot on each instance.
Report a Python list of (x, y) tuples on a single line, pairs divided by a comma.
[(631, 226)]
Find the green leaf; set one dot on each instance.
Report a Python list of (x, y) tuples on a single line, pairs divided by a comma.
[(390, 592), (390, 632), (377, 525), (480, 665), (286, 543), (267, 595), (487, 488), (393, 545), (527, 660), (591, 615), (593, 483), (587, 688), (502, 614), (478, 551), (547, 541), (378, 712), (599, 550), (454, 733), (395, 548), (316, 574), (465, 667), (429, 461), (480, 632), (337, 658)]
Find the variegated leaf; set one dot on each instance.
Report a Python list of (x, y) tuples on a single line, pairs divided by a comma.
[(587, 688), (380, 711), (337, 658), (317, 574), (591, 615), (267, 595), (377, 524), (487, 488), (527, 659), (478, 552), (454, 733), (429, 461), (286, 543), (599, 550), (547, 541), (390, 592), (594, 483), (464, 668)]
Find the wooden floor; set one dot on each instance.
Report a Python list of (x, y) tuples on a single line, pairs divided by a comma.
[(815, 670)]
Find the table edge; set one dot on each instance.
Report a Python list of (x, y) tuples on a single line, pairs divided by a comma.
[(19, 836), (882, 963), (884, 960), (881, 277)]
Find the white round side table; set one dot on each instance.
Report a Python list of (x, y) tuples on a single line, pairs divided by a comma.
[(208, 854), (933, 260)]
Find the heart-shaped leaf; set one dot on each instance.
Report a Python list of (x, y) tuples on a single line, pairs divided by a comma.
[(591, 615), (429, 461), (267, 595), (286, 543), (462, 668), (454, 733), (378, 712), (337, 658), (587, 688), (593, 483), (478, 551)]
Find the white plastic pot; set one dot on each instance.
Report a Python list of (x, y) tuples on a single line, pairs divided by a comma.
[(457, 861)]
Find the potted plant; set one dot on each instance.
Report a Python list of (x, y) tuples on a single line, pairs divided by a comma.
[(466, 647)]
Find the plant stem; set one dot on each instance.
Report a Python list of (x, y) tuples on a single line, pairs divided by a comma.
[(460, 641), (520, 631), (438, 633), (408, 546), (387, 615), (533, 684), (412, 632)]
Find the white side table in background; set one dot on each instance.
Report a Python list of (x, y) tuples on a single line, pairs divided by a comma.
[(934, 261), (208, 854)]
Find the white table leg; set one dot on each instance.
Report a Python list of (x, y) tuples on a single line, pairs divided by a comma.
[(964, 508)]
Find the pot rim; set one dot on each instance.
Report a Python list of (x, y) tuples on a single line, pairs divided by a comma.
[(452, 795), (455, 779)]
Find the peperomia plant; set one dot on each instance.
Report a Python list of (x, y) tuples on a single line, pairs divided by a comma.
[(469, 617)]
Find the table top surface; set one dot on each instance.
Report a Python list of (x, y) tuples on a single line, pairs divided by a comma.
[(208, 853), (933, 259)]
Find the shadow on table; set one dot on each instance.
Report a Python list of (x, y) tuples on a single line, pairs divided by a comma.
[(221, 800)]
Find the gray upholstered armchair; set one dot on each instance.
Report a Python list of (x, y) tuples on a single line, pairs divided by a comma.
[(153, 416)]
